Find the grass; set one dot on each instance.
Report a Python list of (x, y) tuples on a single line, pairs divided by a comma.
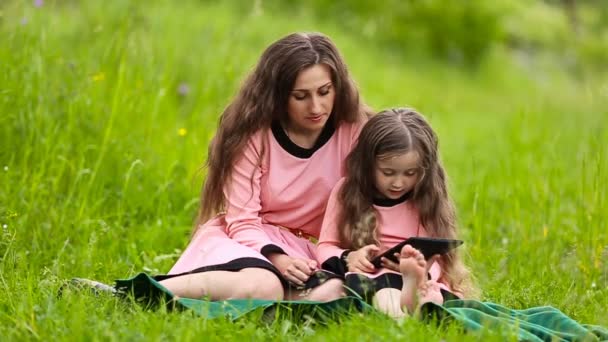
[(100, 155)]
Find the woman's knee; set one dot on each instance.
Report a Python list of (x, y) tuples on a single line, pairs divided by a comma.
[(260, 284), (254, 283)]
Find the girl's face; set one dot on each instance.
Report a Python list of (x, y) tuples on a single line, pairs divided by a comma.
[(311, 100), (397, 174)]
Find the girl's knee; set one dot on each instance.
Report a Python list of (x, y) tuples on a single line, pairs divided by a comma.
[(388, 301)]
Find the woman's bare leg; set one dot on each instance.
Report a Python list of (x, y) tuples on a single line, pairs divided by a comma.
[(330, 290), (251, 282)]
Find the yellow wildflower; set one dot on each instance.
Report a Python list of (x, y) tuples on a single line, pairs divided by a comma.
[(100, 76)]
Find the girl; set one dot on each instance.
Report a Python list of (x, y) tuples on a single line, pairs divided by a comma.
[(395, 188), (277, 154)]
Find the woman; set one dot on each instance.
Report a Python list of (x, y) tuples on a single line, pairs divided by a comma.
[(278, 151)]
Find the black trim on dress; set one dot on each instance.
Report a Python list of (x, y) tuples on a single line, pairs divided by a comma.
[(367, 287), (270, 249), (335, 265), (387, 202), (290, 147), (316, 279)]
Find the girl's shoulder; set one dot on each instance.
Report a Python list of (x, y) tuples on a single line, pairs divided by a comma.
[(337, 187), (340, 183)]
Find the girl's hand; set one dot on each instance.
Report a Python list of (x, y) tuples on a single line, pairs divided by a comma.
[(295, 270), (391, 265), (359, 260)]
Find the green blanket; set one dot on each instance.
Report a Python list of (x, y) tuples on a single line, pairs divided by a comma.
[(543, 323)]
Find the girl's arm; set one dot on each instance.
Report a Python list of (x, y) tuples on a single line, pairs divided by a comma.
[(329, 253), (243, 204)]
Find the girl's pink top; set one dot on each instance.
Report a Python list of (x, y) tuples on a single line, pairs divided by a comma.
[(396, 223)]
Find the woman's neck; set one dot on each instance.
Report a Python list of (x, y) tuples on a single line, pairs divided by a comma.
[(303, 138)]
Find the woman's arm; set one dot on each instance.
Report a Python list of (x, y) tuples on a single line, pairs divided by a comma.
[(243, 204)]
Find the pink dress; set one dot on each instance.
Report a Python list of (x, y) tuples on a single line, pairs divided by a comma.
[(397, 219), (274, 204)]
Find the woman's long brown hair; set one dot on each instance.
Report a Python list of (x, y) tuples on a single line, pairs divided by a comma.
[(389, 133), (263, 98)]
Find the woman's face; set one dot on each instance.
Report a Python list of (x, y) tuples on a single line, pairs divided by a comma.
[(311, 100)]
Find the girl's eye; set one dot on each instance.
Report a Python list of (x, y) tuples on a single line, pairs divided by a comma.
[(299, 97), (411, 173), (387, 173), (324, 92)]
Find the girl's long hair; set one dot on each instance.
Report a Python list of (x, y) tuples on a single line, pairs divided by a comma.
[(390, 133), (263, 98)]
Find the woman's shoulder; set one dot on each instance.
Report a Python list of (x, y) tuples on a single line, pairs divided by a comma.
[(350, 125), (257, 141), (352, 128)]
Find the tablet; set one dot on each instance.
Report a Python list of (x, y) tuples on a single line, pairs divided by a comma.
[(427, 246)]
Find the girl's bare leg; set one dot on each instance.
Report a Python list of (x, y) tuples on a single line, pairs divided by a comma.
[(413, 269), (388, 301), (430, 292), (251, 282)]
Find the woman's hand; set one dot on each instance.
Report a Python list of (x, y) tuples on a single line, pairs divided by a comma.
[(359, 260), (295, 270)]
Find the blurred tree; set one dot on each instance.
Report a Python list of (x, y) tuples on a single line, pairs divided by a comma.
[(464, 31), (570, 7), (457, 31)]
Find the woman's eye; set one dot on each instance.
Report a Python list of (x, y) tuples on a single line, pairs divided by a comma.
[(299, 97), (325, 91)]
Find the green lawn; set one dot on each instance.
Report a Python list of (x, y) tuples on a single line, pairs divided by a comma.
[(106, 109)]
